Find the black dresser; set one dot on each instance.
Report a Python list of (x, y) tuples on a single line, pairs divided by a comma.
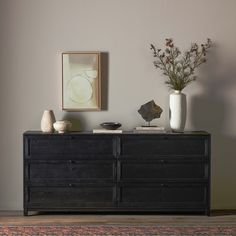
[(117, 172)]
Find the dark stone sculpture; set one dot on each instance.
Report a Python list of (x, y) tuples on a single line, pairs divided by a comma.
[(150, 111)]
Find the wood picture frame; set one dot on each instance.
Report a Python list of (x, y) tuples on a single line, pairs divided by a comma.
[(81, 81)]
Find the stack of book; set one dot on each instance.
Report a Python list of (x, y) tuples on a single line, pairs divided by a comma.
[(149, 129), (107, 131)]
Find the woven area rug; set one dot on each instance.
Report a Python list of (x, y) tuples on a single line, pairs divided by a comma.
[(105, 230)]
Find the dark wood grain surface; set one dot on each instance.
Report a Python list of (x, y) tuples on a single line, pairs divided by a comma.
[(117, 172)]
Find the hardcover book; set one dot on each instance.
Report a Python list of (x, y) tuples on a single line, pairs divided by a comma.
[(107, 131), (150, 128), (149, 131)]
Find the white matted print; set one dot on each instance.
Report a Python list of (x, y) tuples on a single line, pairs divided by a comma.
[(81, 81)]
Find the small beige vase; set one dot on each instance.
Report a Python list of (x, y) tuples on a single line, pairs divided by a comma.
[(47, 121)]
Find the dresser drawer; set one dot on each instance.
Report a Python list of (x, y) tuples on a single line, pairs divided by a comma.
[(71, 171), (163, 195), (135, 146), (152, 171), (69, 146), (72, 197)]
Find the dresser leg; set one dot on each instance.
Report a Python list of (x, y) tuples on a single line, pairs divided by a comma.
[(26, 213), (208, 212)]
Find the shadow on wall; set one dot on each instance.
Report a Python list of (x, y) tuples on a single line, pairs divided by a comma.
[(104, 79), (209, 112)]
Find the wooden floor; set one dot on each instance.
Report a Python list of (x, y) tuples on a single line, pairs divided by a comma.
[(217, 218)]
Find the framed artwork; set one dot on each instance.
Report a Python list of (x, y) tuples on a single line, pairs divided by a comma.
[(81, 81)]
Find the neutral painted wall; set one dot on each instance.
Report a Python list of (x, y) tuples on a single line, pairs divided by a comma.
[(34, 33)]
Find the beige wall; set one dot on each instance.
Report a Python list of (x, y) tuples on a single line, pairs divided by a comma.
[(35, 32)]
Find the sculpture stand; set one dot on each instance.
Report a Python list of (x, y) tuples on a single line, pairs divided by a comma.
[(149, 125)]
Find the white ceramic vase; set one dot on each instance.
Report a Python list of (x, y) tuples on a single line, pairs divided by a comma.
[(178, 111), (47, 121)]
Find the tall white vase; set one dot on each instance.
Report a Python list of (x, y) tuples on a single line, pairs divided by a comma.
[(47, 121), (178, 111)]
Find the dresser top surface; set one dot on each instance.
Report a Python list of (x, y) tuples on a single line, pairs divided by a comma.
[(168, 133)]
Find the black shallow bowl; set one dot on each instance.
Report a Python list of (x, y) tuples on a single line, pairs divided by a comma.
[(110, 125)]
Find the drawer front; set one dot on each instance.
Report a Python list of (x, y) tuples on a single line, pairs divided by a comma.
[(141, 146), (163, 195), (154, 171), (72, 171), (64, 146), (72, 197)]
